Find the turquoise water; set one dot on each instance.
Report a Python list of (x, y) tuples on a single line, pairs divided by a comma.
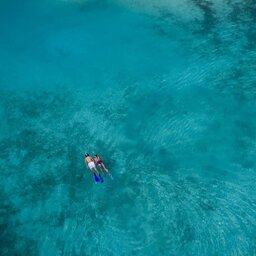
[(164, 91)]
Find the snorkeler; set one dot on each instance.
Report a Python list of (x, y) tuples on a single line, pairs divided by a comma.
[(90, 163), (99, 162)]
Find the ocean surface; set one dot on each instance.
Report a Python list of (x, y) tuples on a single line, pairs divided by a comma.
[(164, 91)]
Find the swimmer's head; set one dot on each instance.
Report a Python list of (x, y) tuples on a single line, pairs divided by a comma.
[(86, 154), (95, 155)]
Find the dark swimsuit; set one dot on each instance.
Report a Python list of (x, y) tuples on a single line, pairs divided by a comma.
[(99, 162)]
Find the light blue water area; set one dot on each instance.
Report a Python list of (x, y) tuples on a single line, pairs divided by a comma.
[(164, 91)]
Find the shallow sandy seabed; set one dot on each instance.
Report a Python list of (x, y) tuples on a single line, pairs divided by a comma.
[(164, 91)]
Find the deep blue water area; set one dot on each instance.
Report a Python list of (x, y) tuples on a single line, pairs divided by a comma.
[(164, 91)]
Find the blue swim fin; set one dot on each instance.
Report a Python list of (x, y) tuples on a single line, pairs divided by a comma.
[(101, 179), (96, 178)]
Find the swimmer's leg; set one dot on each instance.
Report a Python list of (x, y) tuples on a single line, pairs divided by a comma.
[(101, 170), (95, 169), (101, 179), (106, 170)]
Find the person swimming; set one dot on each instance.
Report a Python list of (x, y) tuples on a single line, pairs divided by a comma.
[(90, 163), (99, 162)]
